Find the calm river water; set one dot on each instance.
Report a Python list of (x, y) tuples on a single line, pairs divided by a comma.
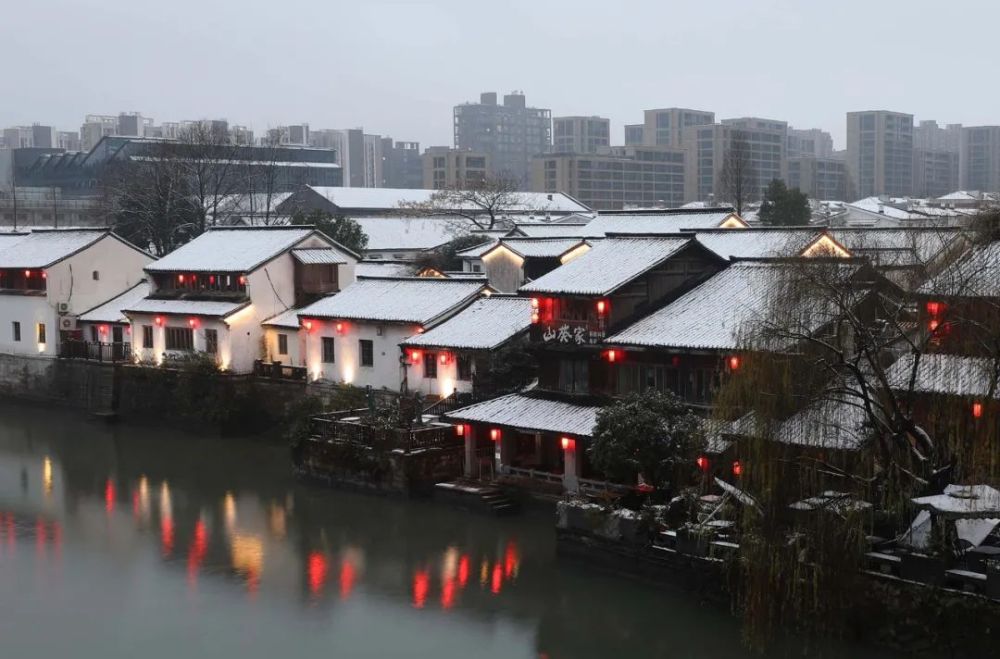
[(132, 542)]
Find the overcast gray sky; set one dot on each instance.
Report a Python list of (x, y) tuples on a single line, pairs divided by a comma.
[(397, 68)]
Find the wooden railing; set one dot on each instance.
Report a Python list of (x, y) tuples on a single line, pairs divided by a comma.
[(99, 352), (351, 426), (590, 486), (534, 474), (279, 371)]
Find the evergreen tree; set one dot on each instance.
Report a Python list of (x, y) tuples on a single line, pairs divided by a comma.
[(342, 229), (784, 207)]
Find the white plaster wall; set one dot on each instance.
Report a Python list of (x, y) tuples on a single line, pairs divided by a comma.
[(386, 372), (446, 381), (224, 356), (119, 268), (296, 346), (29, 310)]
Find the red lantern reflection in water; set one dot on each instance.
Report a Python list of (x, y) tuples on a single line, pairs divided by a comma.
[(463, 571), (348, 575), (317, 569), (496, 580), (421, 584), (166, 536), (448, 593), (109, 496), (197, 551)]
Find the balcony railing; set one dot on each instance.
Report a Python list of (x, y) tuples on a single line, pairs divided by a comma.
[(351, 426), (278, 371), (98, 352)]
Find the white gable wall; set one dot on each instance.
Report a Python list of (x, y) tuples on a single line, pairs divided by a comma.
[(385, 373)]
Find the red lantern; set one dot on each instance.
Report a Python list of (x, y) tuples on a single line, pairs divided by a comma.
[(602, 307), (460, 430), (340, 328), (243, 280), (977, 410), (612, 355), (158, 320), (415, 356), (734, 363), (737, 468), (534, 303), (933, 325), (702, 463), (193, 322), (934, 308), (45, 275), (308, 324), (495, 434), (180, 279), (211, 279), (443, 358), (104, 329), (27, 274), (568, 444)]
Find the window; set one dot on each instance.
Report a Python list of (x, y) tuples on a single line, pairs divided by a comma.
[(94, 334), (282, 344), (430, 365), (367, 350), (465, 367), (574, 376), (212, 341), (328, 353), (16, 329), (147, 336), (96, 275), (41, 332), (179, 338)]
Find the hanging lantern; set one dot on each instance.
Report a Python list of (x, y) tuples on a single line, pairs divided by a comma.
[(702, 463), (934, 308), (340, 328), (180, 279), (534, 303), (415, 356), (158, 320), (568, 444), (737, 468), (443, 358), (460, 430), (612, 355), (45, 275), (308, 324), (734, 363), (27, 274), (602, 307), (193, 322), (977, 410), (933, 324), (495, 434), (243, 280)]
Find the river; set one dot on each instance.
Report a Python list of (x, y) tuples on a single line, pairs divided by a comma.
[(136, 542)]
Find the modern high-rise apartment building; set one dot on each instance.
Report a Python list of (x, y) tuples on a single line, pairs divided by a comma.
[(403, 166), (819, 178), (35, 136), (580, 134), (665, 126), (710, 146), (616, 177), (510, 134), (936, 160), (980, 158), (809, 143), (633, 134), (371, 161), (880, 153), (444, 167)]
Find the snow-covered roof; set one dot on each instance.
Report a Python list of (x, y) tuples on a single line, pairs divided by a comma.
[(648, 223), (411, 233), (318, 256), (418, 300), (42, 249), (213, 308), (485, 324), (111, 311), (953, 375), (925, 243), (231, 249), (383, 269), (828, 424), (287, 319), (609, 265), (388, 198), (477, 251), (249, 204), (713, 316), (963, 502), (546, 230), (757, 243), (541, 247), (532, 413), (976, 274)]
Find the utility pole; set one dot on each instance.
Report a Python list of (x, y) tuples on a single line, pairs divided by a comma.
[(13, 185)]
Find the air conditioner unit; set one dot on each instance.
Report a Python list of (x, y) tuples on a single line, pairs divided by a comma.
[(63, 307), (67, 323)]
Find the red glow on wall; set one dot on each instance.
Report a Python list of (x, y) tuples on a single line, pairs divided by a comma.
[(702, 463), (977, 410), (675, 361), (568, 444), (448, 593), (737, 468), (496, 579), (348, 575), (316, 569), (166, 537), (463, 570), (109, 496), (460, 430), (421, 585), (495, 434), (734, 363)]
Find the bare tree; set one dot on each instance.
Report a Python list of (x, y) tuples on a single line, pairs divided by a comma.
[(737, 182), (484, 204)]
